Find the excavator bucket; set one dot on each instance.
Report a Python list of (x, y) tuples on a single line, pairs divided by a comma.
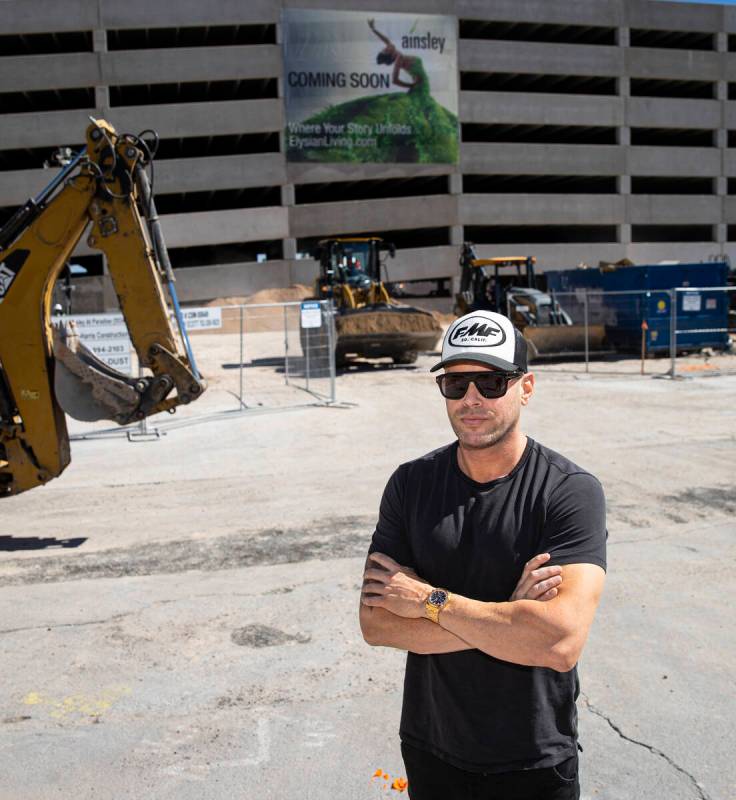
[(87, 388)]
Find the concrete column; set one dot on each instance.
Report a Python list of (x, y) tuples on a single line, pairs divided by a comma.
[(624, 233), (102, 93), (623, 37), (102, 98), (721, 229), (287, 194), (457, 233), (722, 42), (99, 41), (289, 246), (624, 136), (455, 183)]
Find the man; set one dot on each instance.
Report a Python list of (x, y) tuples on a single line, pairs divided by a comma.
[(492, 636)]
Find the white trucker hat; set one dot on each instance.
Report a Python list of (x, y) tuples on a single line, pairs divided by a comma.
[(486, 337)]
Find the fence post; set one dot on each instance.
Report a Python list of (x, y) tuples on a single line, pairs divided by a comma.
[(286, 347), (673, 333), (242, 358), (327, 308), (306, 356), (587, 344)]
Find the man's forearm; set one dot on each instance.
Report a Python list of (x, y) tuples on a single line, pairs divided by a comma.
[(523, 632), (382, 628)]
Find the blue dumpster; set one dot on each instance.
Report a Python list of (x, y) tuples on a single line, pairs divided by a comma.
[(702, 315)]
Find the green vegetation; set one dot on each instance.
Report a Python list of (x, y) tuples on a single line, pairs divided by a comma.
[(433, 136)]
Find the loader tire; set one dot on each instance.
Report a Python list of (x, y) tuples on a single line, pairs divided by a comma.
[(407, 357)]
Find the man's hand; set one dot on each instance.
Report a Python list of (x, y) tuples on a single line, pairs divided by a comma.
[(538, 582), (393, 587)]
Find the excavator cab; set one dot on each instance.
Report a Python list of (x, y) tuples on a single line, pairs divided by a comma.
[(104, 191), (508, 285), (488, 283)]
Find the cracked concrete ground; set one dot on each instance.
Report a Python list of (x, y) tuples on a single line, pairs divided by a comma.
[(178, 618)]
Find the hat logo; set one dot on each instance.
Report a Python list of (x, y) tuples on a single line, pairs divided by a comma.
[(477, 332)]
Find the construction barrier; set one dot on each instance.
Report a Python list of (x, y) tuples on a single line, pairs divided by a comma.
[(688, 330)]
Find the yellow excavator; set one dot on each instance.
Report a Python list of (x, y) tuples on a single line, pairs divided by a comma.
[(44, 369), (508, 285), (369, 323)]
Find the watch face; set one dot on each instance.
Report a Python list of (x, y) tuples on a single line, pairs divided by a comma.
[(437, 597)]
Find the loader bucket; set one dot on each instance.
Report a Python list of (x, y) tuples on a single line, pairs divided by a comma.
[(397, 331), (562, 340)]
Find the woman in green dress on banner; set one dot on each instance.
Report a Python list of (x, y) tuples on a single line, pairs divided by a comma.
[(410, 64)]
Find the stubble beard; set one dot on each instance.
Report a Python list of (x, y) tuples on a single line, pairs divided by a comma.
[(483, 440)]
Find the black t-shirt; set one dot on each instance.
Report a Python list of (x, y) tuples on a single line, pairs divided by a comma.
[(474, 711)]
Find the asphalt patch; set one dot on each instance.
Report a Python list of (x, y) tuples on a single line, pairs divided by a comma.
[(707, 499), (265, 636), (336, 537)]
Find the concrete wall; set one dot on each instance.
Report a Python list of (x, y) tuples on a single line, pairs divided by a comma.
[(452, 212)]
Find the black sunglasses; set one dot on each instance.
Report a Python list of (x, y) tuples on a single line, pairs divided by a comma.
[(454, 385)]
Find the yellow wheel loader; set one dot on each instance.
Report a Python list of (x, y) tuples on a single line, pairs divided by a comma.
[(508, 285), (369, 323), (46, 371)]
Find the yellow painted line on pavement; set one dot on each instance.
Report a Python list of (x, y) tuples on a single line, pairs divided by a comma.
[(87, 705)]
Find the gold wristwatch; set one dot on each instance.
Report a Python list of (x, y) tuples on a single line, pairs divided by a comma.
[(437, 600)]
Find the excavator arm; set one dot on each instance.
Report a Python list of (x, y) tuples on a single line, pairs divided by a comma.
[(44, 371)]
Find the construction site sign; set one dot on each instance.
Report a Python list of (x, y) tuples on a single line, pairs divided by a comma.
[(106, 335), (311, 314), (206, 318), (370, 89)]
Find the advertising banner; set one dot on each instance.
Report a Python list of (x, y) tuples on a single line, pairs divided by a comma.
[(366, 88)]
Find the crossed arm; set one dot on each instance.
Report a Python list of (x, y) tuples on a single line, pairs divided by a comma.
[(522, 630)]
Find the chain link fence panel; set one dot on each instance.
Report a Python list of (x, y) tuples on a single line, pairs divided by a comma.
[(269, 356), (629, 332)]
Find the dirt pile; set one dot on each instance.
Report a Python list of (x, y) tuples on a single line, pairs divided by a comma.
[(294, 293), (261, 319), (369, 322)]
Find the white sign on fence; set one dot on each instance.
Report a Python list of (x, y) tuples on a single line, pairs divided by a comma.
[(691, 301), (106, 335), (199, 318), (311, 314)]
